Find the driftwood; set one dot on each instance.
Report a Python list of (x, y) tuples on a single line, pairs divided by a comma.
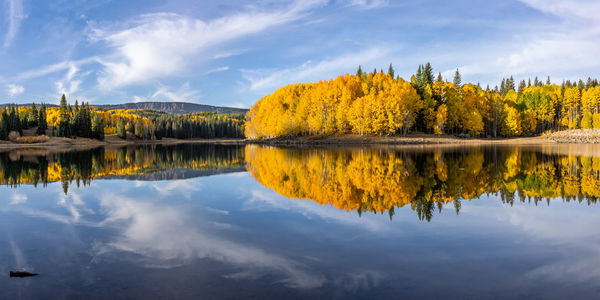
[(21, 274)]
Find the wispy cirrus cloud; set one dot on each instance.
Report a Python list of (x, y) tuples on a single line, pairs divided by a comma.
[(265, 80), (568, 46), (368, 4), (160, 45), (14, 16)]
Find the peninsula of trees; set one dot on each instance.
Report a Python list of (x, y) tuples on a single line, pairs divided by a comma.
[(86, 121), (380, 103)]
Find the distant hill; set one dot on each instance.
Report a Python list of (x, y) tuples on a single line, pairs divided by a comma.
[(176, 107), (166, 107)]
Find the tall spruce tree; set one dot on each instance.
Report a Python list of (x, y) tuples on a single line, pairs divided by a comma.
[(359, 72), (42, 123), (391, 71), (428, 74), (121, 130), (97, 127), (457, 80), (64, 123)]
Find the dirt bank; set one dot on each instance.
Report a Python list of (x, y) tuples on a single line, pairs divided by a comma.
[(416, 139)]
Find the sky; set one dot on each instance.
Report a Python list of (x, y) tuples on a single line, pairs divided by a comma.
[(232, 53)]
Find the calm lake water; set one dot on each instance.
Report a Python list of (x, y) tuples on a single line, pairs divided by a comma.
[(207, 221)]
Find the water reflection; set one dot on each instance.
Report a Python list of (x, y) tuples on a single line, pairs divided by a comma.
[(376, 180), (381, 180), (140, 163), (244, 234)]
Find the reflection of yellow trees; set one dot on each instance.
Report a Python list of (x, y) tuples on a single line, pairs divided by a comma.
[(82, 167), (380, 180)]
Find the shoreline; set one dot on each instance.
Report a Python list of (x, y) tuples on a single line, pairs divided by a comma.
[(59, 144), (414, 140), (580, 136)]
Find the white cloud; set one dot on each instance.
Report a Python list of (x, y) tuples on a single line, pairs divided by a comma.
[(261, 80), (15, 16), (163, 44), (183, 94), (162, 237), (137, 99), (14, 90), (57, 67), (262, 199), (215, 70), (17, 198), (368, 4), (567, 48)]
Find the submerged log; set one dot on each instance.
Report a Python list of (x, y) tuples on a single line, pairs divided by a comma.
[(21, 274)]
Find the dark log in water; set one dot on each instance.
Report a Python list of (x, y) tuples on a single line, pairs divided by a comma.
[(20, 274)]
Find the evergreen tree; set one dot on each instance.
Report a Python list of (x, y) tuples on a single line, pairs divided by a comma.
[(42, 123), (97, 127), (428, 74), (510, 84), (32, 117), (419, 76), (121, 130), (457, 80), (139, 129), (4, 125), (548, 80), (359, 72), (64, 123), (522, 86), (391, 71), (439, 77)]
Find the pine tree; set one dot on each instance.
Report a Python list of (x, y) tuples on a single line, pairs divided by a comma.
[(522, 87), (139, 129), (439, 77), (510, 84), (457, 80), (32, 117), (391, 71), (97, 127), (359, 72), (121, 132), (42, 123), (548, 80), (64, 123), (428, 74)]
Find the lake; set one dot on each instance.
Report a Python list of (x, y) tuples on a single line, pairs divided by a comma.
[(220, 221)]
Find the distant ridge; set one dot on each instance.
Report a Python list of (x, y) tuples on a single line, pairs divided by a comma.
[(176, 107), (166, 107)]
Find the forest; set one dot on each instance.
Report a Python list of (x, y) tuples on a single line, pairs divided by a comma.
[(84, 120), (380, 103)]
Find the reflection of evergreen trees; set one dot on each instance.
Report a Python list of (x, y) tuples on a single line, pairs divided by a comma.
[(82, 167), (380, 180)]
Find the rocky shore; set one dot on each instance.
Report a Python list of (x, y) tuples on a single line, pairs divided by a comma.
[(575, 136)]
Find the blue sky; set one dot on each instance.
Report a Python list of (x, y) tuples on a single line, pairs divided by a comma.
[(234, 52)]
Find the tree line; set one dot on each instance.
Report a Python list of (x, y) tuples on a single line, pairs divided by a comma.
[(91, 122), (379, 103)]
